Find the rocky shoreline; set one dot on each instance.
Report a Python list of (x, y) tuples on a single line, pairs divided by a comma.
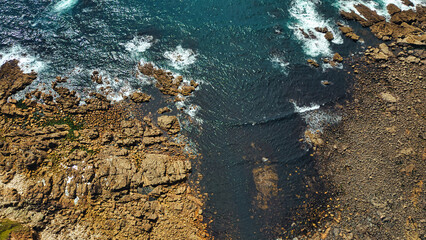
[(373, 160), (97, 170)]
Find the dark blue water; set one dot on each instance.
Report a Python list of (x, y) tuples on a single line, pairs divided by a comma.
[(251, 61)]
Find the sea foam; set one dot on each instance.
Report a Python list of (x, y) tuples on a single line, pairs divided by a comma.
[(305, 16), (181, 57), (64, 5), (281, 63), (315, 117), (139, 44), (27, 62)]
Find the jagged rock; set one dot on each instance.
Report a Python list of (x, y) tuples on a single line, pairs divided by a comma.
[(313, 63), (337, 58), (187, 90), (13, 79), (163, 110), (392, 9), (371, 15), (146, 69), (385, 49), (152, 132), (321, 29), (139, 97), (160, 169), (147, 141), (329, 36), (404, 16), (170, 124)]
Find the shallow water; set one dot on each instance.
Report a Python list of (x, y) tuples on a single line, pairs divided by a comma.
[(257, 93)]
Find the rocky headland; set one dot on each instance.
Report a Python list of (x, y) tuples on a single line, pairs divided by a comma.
[(373, 161), (93, 169)]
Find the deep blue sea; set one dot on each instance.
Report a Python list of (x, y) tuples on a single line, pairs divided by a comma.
[(257, 94)]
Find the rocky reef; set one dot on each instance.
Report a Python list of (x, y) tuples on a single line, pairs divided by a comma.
[(92, 168)]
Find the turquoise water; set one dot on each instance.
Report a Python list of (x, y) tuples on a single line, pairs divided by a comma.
[(256, 88)]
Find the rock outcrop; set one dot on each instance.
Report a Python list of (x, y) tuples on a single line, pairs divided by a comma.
[(89, 171)]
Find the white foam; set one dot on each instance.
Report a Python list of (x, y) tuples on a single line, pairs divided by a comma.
[(64, 5), (27, 62), (76, 200), (379, 7), (326, 66), (139, 44), (280, 63), (303, 109), (180, 57), (306, 17), (315, 118)]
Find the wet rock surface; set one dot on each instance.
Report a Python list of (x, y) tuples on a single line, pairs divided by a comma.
[(87, 171)]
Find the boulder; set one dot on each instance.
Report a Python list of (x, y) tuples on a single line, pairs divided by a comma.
[(313, 63), (345, 29), (163, 110), (337, 58), (392, 9), (170, 124), (139, 97), (329, 36), (388, 97)]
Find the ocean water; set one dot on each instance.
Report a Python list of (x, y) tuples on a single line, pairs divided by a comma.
[(257, 95)]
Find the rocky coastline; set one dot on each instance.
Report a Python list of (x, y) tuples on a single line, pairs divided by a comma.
[(98, 170), (373, 160)]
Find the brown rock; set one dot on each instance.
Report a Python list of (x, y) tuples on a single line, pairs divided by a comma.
[(404, 16), (147, 69), (187, 90), (345, 29), (392, 9), (163, 110), (314, 138), (90, 133), (321, 29), (337, 58), (329, 36), (160, 169), (371, 15), (170, 124), (139, 97), (12, 79), (313, 63), (388, 97)]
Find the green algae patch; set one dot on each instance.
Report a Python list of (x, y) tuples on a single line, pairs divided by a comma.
[(6, 227)]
